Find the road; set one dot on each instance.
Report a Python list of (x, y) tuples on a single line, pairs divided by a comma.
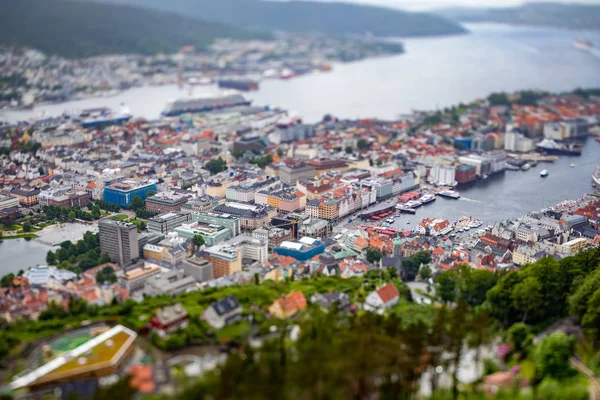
[(594, 384)]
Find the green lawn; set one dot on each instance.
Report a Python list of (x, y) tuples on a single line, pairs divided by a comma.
[(238, 331), (21, 236), (119, 217)]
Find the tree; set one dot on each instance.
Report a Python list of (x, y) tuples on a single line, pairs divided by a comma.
[(527, 296), (280, 152), (198, 242), (136, 203), (425, 272), (412, 264), (519, 336), (363, 144), (373, 255), (446, 286), (6, 280), (498, 99), (216, 165), (552, 355), (150, 193), (349, 149), (27, 227), (41, 170), (106, 274), (50, 258), (71, 215)]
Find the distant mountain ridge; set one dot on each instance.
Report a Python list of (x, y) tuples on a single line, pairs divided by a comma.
[(307, 16), (570, 16), (82, 29)]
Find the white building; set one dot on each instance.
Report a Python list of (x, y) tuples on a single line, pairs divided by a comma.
[(442, 175), (515, 141)]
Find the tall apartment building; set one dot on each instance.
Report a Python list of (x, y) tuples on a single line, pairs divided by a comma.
[(119, 241)]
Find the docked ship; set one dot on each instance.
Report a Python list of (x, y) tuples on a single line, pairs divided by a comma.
[(413, 204), (99, 117), (245, 85), (427, 198), (583, 44), (203, 104), (451, 194), (596, 177), (549, 146), (544, 173)]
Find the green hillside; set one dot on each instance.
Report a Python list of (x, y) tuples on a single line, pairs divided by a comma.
[(307, 16), (81, 29), (570, 16)]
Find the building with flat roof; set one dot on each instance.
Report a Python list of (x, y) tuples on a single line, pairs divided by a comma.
[(64, 196), (250, 216), (226, 260), (168, 221), (7, 201), (119, 240), (290, 174), (28, 196), (167, 256), (167, 202), (100, 356), (302, 250), (211, 233), (136, 278), (199, 268), (228, 220), (170, 283), (121, 193)]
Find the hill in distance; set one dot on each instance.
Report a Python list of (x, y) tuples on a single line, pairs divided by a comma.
[(569, 16), (308, 16), (82, 29)]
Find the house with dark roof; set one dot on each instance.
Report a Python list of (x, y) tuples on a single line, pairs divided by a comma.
[(330, 299), (223, 312)]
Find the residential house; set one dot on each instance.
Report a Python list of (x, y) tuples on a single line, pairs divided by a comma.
[(223, 312), (288, 306), (384, 298)]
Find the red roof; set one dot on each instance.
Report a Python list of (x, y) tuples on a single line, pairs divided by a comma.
[(388, 292)]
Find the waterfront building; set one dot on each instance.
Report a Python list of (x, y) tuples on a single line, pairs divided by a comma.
[(119, 240), (515, 141), (442, 175), (121, 193), (566, 129), (465, 173)]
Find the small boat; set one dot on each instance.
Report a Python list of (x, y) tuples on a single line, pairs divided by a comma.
[(544, 173), (407, 221), (450, 194), (572, 165), (525, 167)]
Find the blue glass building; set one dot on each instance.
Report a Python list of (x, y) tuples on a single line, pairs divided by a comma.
[(121, 193)]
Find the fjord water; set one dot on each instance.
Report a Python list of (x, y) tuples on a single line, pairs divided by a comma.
[(432, 73)]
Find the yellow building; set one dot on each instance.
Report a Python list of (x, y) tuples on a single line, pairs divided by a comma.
[(219, 189)]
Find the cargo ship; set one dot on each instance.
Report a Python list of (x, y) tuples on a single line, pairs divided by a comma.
[(245, 85), (549, 146), (203, 104), (100, 117)]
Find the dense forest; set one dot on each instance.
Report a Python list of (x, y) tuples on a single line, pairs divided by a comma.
[(570, 16), (82, 29), (307, 16)]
